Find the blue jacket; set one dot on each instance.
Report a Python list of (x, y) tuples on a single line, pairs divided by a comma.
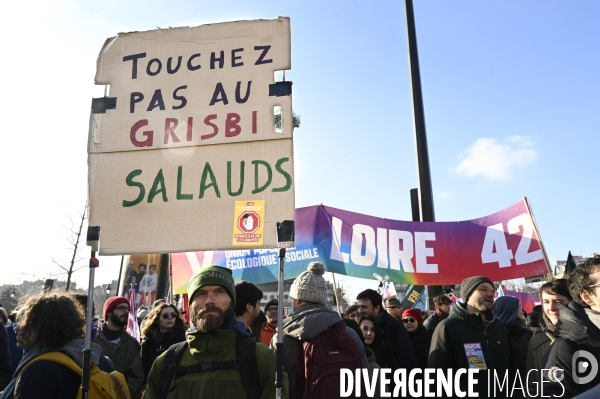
[(16, 353), (5, 372)]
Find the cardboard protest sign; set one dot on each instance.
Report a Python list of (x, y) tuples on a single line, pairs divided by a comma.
[(204, 85), (193, 130)]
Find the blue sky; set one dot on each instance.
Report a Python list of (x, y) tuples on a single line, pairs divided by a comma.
[(510, 93)]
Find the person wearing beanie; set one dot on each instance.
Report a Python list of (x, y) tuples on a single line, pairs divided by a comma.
[(310, 319), (212, 342), (483, 303), (419, 335), (272, 317), (416, 319), (472, 337), (118, 345)]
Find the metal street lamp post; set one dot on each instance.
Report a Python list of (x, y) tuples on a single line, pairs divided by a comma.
[(107, 290)]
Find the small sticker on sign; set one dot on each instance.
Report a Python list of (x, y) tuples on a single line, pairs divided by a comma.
[(248, 223)]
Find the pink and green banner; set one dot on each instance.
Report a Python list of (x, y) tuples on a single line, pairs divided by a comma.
[(501, 246)]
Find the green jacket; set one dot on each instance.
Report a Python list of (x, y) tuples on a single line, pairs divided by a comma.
[(220, 384), (126, 358)]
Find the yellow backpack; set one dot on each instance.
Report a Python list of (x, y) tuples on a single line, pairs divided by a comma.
[(103, 385)]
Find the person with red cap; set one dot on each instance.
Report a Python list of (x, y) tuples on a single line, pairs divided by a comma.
[(419, 335), (120, 347)]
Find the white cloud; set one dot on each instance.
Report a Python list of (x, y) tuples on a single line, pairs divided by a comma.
[(491, 159), (448, 194)]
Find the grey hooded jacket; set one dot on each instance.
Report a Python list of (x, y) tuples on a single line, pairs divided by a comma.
[(307, 322)]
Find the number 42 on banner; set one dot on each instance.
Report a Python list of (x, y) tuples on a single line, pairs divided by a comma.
[(496, 239)]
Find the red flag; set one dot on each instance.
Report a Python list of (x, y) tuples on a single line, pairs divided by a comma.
[(453, 297)]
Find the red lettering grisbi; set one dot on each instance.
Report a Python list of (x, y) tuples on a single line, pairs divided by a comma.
[(175, 132)]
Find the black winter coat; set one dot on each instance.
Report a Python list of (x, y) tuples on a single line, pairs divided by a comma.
[(519, 336), (431, 322), (47, 379), (461, 328), (421, 340), (537, 348), (574, 332), (152, 347), (519, 342), (396, 337)]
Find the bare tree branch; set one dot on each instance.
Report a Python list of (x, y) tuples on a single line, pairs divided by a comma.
[(61, 266), (74, 239)]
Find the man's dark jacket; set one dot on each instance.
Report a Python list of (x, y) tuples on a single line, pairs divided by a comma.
[(574, 332), (125, 356), (432, 321), (394, 334), (448, 345), (537, 348)]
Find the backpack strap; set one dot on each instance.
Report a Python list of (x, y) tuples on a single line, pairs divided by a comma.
[(118, 386), (62, 358), (300, 380), (246, 354), (246, 363), (168, 372), (54, 356)]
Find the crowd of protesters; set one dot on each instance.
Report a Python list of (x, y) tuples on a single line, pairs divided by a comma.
[(228, 348)]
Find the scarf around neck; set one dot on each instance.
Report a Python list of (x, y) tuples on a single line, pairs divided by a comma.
[(232, 324), (110, 334), (441, 314), (593, 316)]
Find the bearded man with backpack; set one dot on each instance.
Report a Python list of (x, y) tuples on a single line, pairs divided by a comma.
[(317, 343), (219, 359)]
